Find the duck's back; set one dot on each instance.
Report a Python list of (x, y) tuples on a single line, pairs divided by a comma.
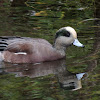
[(6, 40)]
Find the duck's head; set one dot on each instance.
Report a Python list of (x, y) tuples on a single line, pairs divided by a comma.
[(67, 36)]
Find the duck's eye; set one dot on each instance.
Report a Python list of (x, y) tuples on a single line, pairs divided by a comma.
[(66, 33)]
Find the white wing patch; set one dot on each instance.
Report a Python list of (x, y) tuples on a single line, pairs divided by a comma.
[(22, 53)]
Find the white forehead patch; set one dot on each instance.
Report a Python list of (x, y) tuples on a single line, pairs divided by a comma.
[(72, 31)]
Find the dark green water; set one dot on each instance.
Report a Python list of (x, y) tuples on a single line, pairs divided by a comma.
[(56, 80)]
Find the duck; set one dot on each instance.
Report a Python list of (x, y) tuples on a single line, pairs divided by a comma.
[(37, 50)]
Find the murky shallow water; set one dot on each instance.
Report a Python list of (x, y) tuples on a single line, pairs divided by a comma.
[(61, 79)]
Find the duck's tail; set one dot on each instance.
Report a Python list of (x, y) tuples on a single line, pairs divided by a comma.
[(1, 57), (4, 41)]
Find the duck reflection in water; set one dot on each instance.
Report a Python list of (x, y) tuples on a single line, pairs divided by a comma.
[(66, 79)]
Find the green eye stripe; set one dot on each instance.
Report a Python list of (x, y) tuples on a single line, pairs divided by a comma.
[(62, 32)]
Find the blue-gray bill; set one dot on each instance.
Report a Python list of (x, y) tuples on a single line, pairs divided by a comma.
[(77, 43)]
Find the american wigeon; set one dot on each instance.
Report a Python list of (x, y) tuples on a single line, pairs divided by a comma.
[(34, 50)]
